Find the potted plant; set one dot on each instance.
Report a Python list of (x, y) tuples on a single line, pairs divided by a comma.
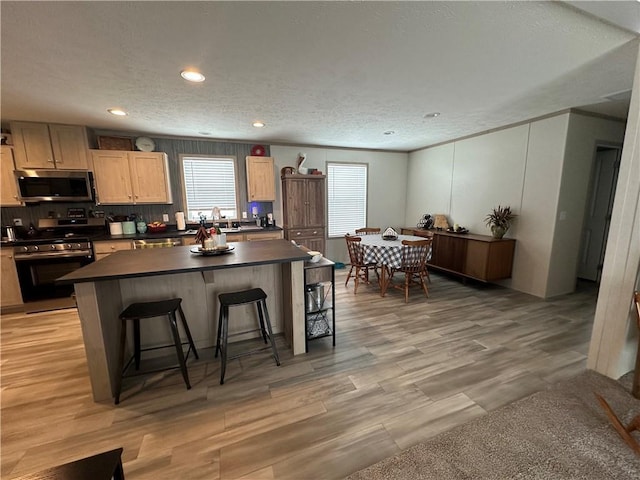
[(499, 220)]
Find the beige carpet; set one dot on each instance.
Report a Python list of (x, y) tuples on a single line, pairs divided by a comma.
[(559, 433)]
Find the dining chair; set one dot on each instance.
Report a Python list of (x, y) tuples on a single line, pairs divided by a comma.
[(356, 258), (367, 230), (413, 265)]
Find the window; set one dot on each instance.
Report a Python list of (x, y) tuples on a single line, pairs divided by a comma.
[(209, 182), (346, 197)]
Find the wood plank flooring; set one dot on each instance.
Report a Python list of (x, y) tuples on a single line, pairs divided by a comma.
[(400, 373)]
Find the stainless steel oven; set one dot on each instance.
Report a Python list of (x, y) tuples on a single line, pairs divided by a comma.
[(39, 264)]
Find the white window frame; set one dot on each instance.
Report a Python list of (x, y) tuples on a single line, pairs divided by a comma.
[(229, 208), (347, 198)]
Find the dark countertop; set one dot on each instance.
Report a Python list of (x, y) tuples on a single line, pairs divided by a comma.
[(174, 233), (167, 261)]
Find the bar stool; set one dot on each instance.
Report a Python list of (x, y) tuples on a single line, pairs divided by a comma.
[(254, 295), (161, 308)]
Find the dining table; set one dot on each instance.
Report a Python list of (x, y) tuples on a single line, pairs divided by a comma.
[(385, 252)]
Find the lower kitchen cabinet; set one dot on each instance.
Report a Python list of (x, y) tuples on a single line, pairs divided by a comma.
[(10, 291), (103, 249), (480, 257), (240, 237)]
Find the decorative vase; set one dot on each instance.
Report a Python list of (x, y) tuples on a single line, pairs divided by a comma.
[(497, 231)]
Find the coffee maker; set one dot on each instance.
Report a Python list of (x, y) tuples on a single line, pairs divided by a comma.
[(268, 221)]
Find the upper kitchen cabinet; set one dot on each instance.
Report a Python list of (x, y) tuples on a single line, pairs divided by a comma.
[(9, 192), (130, 178), (39, 145), (261, 180)]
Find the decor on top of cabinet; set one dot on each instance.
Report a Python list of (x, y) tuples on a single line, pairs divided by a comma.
[(258, 151), (441, 222), (115, 143), (499, 220), (301, 158), (425, 222)]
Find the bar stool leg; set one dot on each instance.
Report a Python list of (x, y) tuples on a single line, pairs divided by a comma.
[(186, 330), (176, 339), (136, 342), (268, 322), (123, 341), (261, 318), (225, 337), (219, 334)]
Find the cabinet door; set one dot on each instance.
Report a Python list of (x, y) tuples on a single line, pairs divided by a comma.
[(294, 197), (10, 292), (316, 244), (9, 192), (315, 202), (261, 180), (149, 177), (449, 253), (31, 145), (70, 147), (264, 236), (112, 177)]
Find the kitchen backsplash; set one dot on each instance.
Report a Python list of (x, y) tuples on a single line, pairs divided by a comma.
[(173, 147)]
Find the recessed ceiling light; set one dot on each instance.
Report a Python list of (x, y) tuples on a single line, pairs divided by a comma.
[(192, 76), (432, 115), (389, 132), (258, 124), (117, 111)]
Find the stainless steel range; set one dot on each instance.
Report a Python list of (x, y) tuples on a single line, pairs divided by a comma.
[(57, 247)]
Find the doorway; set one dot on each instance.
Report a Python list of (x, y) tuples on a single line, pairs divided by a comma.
[(597, 219)]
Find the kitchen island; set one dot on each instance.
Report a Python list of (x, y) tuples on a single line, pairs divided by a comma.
[(104, 288)]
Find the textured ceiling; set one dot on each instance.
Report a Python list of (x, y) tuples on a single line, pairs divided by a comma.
[(317, 73)]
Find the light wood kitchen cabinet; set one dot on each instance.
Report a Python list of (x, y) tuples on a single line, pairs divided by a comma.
[(105, 248), (261, 180), (41, 145), (240, 237), (480, 257), (130, 178), (10, 294), (9, 192), (303, 201)]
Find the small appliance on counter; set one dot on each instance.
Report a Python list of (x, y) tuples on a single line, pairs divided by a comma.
[(8, 234), (268, 221)]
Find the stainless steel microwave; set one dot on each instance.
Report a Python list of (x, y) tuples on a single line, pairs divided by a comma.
[(54, 185)]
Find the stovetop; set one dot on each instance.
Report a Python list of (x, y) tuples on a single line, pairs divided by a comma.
[(58, 231)]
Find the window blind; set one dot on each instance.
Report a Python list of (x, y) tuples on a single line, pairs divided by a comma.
[(209, 182), (346, 198)]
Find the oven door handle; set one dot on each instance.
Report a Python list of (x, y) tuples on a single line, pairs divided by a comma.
[(21, 257)]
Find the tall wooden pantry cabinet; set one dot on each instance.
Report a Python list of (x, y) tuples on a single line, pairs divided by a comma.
[(303, 203)]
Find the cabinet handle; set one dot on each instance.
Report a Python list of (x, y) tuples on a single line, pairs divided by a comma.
[(137, 196), (129, 196), (315, 232), (10, 257), (298, 233), (49, 160)]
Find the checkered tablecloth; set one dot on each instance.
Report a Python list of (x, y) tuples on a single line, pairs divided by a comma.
[(385, 252)]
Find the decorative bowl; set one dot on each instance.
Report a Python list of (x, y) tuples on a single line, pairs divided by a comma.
[(155, 228)]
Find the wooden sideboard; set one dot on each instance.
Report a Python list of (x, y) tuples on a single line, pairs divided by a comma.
[(480, 257)]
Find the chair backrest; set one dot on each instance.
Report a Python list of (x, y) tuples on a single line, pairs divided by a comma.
[(367, 231), (355, 252), (415, 254), (636, 299)]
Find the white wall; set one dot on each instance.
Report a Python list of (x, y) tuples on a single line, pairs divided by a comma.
[(528, 167), (583, 135), (387, 184)]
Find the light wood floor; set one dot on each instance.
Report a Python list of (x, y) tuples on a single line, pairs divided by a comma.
[(400, 373)]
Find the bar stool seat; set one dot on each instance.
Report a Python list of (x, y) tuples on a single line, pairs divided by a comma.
[(161, 308), (254, 295)]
